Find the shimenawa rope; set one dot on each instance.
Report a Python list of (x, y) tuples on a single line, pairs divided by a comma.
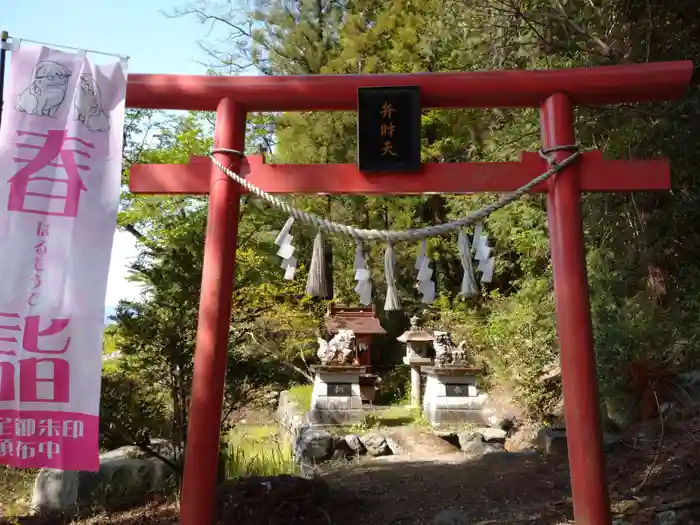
[(404, 235)]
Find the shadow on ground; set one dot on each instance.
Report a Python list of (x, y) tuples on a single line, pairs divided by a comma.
[(498, 488), (653, 469)]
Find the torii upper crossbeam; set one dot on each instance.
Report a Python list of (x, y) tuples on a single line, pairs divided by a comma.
[(554, 92)]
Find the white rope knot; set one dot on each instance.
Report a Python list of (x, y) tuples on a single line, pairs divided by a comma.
[(228, 151), (546, 153)]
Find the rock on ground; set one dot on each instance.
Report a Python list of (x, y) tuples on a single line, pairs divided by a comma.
[(474, 443), (355, 443), (418, 442), (492, 435), (124, 471), (553, 441), (375, 444), (313, 445)]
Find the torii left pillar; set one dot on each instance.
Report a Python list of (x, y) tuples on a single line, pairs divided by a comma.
[(218, 271)]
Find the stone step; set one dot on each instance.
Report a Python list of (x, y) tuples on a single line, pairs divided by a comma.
[(419, 442)]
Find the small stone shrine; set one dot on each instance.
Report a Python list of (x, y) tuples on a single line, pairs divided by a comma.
[(365, 325), (336, 395), (451, 394), (417, 343)]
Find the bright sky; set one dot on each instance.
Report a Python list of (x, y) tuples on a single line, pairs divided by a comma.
[(135, 28)]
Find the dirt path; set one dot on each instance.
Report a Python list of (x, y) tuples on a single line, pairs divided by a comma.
[(653, 470), (498, 488)]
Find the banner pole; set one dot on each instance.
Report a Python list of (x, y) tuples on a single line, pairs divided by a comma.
[(4, 36)]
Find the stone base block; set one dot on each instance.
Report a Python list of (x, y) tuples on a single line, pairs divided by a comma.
[(438, 417), (336, 398), (451, 396)]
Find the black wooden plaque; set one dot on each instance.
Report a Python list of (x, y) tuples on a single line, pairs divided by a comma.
[(338, 389), (388, 129), (456, 390)]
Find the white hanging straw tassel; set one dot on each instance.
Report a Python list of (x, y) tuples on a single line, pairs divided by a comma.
[(316, 283), (468, 283), (392, 301), (362, 276)]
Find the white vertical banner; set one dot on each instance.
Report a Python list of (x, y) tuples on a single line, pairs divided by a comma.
[(60, 171)]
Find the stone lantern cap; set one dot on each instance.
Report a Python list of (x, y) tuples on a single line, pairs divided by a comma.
[(415, 334)]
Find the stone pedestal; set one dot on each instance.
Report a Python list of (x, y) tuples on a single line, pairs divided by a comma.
[(451, 396), (336, 397), (368, 387), (415, 361)]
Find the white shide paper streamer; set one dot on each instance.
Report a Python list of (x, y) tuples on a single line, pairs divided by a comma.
[(286, 250), (426, 285)]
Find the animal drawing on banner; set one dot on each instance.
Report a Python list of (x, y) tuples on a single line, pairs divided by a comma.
[(46, 91), (338, 350), (88, 105)]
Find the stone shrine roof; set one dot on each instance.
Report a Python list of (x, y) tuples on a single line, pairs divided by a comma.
[(415, 334), (362, 321)]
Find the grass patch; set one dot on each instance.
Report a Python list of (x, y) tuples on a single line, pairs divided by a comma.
[(302, 395), (15, 490), (389, 417), (396, 416), (258, 451)]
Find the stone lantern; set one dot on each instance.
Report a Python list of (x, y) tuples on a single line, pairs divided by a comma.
[(417, 343)]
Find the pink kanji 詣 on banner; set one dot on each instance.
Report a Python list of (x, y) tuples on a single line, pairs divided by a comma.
[(60, 170)]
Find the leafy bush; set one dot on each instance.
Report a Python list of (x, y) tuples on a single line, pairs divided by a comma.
[(302, 395), (395, 387), (131, 412)]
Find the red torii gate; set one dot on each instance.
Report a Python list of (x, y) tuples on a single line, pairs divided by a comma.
[(555, 92)]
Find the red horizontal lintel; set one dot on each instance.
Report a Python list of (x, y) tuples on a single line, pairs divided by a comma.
[(514, 88), (345, 179)]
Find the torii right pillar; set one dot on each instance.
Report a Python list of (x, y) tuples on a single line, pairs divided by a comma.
[(578, 367)]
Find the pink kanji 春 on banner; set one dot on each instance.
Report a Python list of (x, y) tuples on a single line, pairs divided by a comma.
[(56, 144), (60, 171)]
